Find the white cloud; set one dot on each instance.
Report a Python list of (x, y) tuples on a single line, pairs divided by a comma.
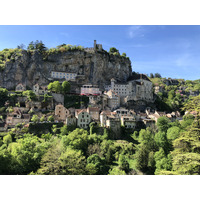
[(136, 31)]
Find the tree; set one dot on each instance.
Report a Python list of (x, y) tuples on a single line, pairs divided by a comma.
[(55, 129), (51, 118), (21, 46), (62, 45), (123, 163), (187, 164), (116, 171), (42, 119), (30, 95), (39, 45), (113, 50), (50, 164), (73, 162), (5, 162), (92, 124), (27, 153), (31, 46), (96, 164), (157, 75), (35, 119), (163, 124), (151, 75), (77, 139), (141, 157), (66, 87), (161, 140), (55, 87), (192, 105), (7, 139), (186, 159), (64, 130), (173, 133), (146, 137), (124, 55), (3, 96)]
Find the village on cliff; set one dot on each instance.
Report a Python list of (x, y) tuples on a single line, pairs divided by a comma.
[(125, 104)]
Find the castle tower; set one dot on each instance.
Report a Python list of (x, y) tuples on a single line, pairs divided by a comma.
[(112, 83), (95, 45)]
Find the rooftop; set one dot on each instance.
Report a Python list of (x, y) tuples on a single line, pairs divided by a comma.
[(137, 76)]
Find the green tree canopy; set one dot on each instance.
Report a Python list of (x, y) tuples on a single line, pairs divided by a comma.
[(163, 124), (51, 118), (3, 96), (55, 87), (66, 87), (35, 119), (113, 50), (73, 162), (173, 133)]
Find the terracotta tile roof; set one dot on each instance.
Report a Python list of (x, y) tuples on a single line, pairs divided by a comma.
[(93, 109), (82, 110), (106, 112)]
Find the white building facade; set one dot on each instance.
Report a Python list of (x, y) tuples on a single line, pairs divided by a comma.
[(137, 87), (63, 75), (90, 90), (83, 119)]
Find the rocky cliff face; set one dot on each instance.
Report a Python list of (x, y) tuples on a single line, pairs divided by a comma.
[(97, 68)]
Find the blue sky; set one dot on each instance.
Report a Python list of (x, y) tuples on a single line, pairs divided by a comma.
[(173, 51)]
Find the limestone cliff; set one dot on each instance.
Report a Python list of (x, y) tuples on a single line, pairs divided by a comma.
[(96, 68)]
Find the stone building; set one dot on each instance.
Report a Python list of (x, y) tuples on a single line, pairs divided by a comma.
[(149, 122), (138, 87), (94, 113), (128, 121), (40, 90), (63, 75), (118, 87), (61, 112), (71, 120), (20, 87), (17, 117), (90, 89), (83, 119), (113, 100), (122, 112), (113, 123)]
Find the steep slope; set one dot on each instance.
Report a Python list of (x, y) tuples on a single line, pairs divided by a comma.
[(32, 67)]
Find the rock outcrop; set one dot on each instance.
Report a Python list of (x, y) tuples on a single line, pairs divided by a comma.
[(94, 67)]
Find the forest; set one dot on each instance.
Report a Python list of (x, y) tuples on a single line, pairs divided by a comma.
[(168, 148)]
